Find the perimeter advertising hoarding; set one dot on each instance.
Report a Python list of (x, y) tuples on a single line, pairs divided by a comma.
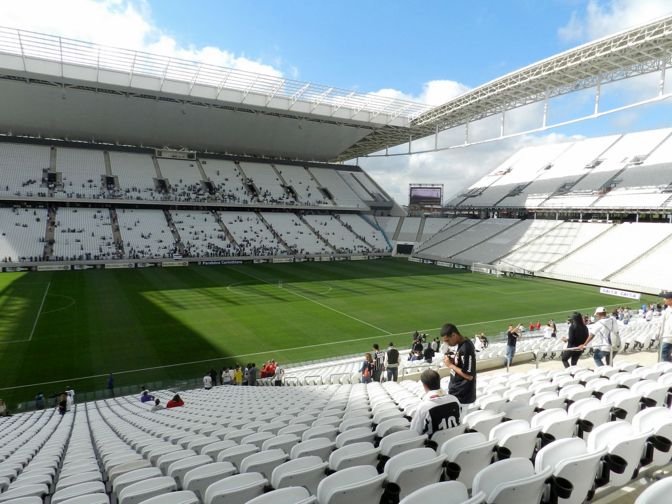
[(425, 195)]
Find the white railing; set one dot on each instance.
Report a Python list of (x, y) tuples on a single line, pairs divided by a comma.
[(66, 51)]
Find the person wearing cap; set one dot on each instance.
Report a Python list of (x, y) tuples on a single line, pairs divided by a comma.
[(601, 334), (666, 328), (462, 365)]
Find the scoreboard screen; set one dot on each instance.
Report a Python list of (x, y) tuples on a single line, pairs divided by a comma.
[(425, 195)]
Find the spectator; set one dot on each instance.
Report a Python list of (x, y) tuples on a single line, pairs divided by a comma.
[(279, 376), (478, 343), (462, 365), (146, 396), (62, 404), (3, 409), (69, 397), (175, 402), (428, 354), (238, 376), (39, 401), (378, 362), (603, 332), (576, 336), (366, 369), (548, 331), (207, 382), (213, 376), (511, 340), (392, 362), (252, 375), (226, 377), (110, 385), (438, 410), (157, 405), (417, 345), (665, 335)]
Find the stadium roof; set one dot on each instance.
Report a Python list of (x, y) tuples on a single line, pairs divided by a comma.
[(633, 52), (61, 88)]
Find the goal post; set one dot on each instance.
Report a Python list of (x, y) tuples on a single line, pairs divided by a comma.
[(488, 269)]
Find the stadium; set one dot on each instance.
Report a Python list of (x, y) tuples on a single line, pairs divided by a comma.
[(162, 219)]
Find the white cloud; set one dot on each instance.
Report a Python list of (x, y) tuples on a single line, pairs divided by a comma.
[(119, 23), (605, 18), (458, 168), (435, 92)]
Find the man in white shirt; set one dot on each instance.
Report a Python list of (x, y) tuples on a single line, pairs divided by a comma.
[(666, 328), (601, 334), (207, 382), (438, 409)]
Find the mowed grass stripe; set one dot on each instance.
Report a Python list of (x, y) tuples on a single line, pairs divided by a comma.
[(147, 318)]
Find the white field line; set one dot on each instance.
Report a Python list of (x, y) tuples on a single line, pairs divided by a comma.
[(39, 312), (279, 350), (320, 304)]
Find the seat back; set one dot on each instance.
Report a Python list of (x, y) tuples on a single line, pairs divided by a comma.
[(263, 462), (619, 438), (658, 493), (291, 495), (198, 479), (414, 469), (143, 490), (355, 454), (446, 492), (236, 454), (398, 442), (179, 468), (304, 472), (355, 435), (285, 442), (236, 489), (443, 435), (511, 481), (213, 449), (362, 483), (321, 447), (472, 452)]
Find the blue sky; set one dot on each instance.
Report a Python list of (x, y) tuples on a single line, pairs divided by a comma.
[(368, 45), (426, 50)]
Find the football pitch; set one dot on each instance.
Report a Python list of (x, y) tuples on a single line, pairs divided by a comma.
[(73, 328)]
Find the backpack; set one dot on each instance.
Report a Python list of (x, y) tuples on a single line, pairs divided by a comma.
[(393, 356), (366, 372), (614, 336)]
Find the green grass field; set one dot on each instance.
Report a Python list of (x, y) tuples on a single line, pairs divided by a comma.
[(60, 328)]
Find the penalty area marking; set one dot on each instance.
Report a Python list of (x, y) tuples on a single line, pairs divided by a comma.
[(60, 308), (37, 317), (320, 304)]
